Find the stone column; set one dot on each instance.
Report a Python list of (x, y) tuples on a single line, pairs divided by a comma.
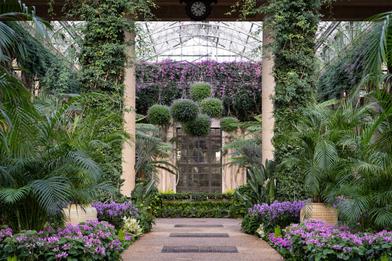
[(129, 114), (268, 91)]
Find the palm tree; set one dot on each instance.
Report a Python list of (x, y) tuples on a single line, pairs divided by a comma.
[(12, 11), (366, 186), (43, 167), (379, 51), (151, 153)]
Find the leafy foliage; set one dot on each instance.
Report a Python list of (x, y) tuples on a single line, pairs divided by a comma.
[(199, 127), (184, 110), (346, 160), (103, 61), (92, 240), (229, 124), (151, 153), (44, 163), (261, 183), (200, 91), (294, 71), (210, 208), (213, 205), (213, 107), (237, 84), (159, 115)]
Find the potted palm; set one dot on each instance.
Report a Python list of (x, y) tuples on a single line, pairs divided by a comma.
[(319, 159)]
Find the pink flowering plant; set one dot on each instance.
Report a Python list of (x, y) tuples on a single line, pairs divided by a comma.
[(114, 212), (92, 240), (315, 240)]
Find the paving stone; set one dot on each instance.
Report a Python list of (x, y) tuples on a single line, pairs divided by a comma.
[(199, 235), (249, 248), (198, 225), (199, 249)]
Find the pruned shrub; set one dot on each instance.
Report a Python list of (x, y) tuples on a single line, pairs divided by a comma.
[(159, 115), (213, 107), (229, 124), (198, 127), (200, 91), (184, 110)]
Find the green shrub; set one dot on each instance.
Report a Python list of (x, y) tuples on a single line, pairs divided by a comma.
[(213, 107), (200, 91), (159, 115), (207, 208), (198, 127), (250, 223), (184, 110), (229, 124), (198, 196)]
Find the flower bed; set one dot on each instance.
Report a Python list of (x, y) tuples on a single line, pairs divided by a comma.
[(92, 240), (115, 213), (315, 240), (264, 218)]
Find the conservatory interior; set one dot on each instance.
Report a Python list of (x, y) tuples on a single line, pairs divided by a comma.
[(196, 130)]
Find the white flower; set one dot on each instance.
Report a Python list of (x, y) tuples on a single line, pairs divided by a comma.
[(260, 231), (131, 226)]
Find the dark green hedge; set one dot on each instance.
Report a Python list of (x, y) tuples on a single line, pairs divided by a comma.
[(196, 209), (198, 196), (209, 205)]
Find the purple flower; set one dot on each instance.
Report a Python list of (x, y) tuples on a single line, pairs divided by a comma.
[(100, 250), (5, 232), (277, 209), (62, 255), (113, 209)]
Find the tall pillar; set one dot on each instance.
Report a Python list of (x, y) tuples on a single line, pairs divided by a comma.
[(129, 114), (268, 91)]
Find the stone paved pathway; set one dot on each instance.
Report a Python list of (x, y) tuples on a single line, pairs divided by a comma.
[(227, 236)]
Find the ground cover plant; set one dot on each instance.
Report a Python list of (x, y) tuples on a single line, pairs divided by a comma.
[(315, 240), (114, 212), (92, 240), (213, 205), (264, 218)]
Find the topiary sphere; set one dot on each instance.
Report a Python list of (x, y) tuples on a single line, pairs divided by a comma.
[(200, 91), (213, 107), (199, 127), (184, 110), (229, 124), (159, 115)]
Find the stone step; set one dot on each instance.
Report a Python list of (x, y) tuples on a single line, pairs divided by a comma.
[(199, 249), (198, 225), (199, 235)]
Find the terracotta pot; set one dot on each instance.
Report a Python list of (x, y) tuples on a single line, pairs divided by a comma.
[(319, 211), (75, 214)]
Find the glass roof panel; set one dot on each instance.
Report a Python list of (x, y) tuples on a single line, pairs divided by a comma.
[(196, 41)]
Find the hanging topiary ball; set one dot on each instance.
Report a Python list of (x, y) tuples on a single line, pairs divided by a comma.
[(200, 91), (184, 110), (229, 124), (213, 107), (199, 127), (159, 115)]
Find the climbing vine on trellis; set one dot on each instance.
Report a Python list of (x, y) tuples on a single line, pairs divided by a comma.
[(293, 25), (103, 62)]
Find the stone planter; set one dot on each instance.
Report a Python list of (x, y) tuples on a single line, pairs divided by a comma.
[(319, 211), (75, 214)]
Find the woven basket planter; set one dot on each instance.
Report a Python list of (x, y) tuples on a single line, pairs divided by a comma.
[(320, 212), (75, 214)]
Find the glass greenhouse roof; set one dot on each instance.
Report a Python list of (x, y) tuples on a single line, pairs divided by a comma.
[(197, 41), (200, 41)]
